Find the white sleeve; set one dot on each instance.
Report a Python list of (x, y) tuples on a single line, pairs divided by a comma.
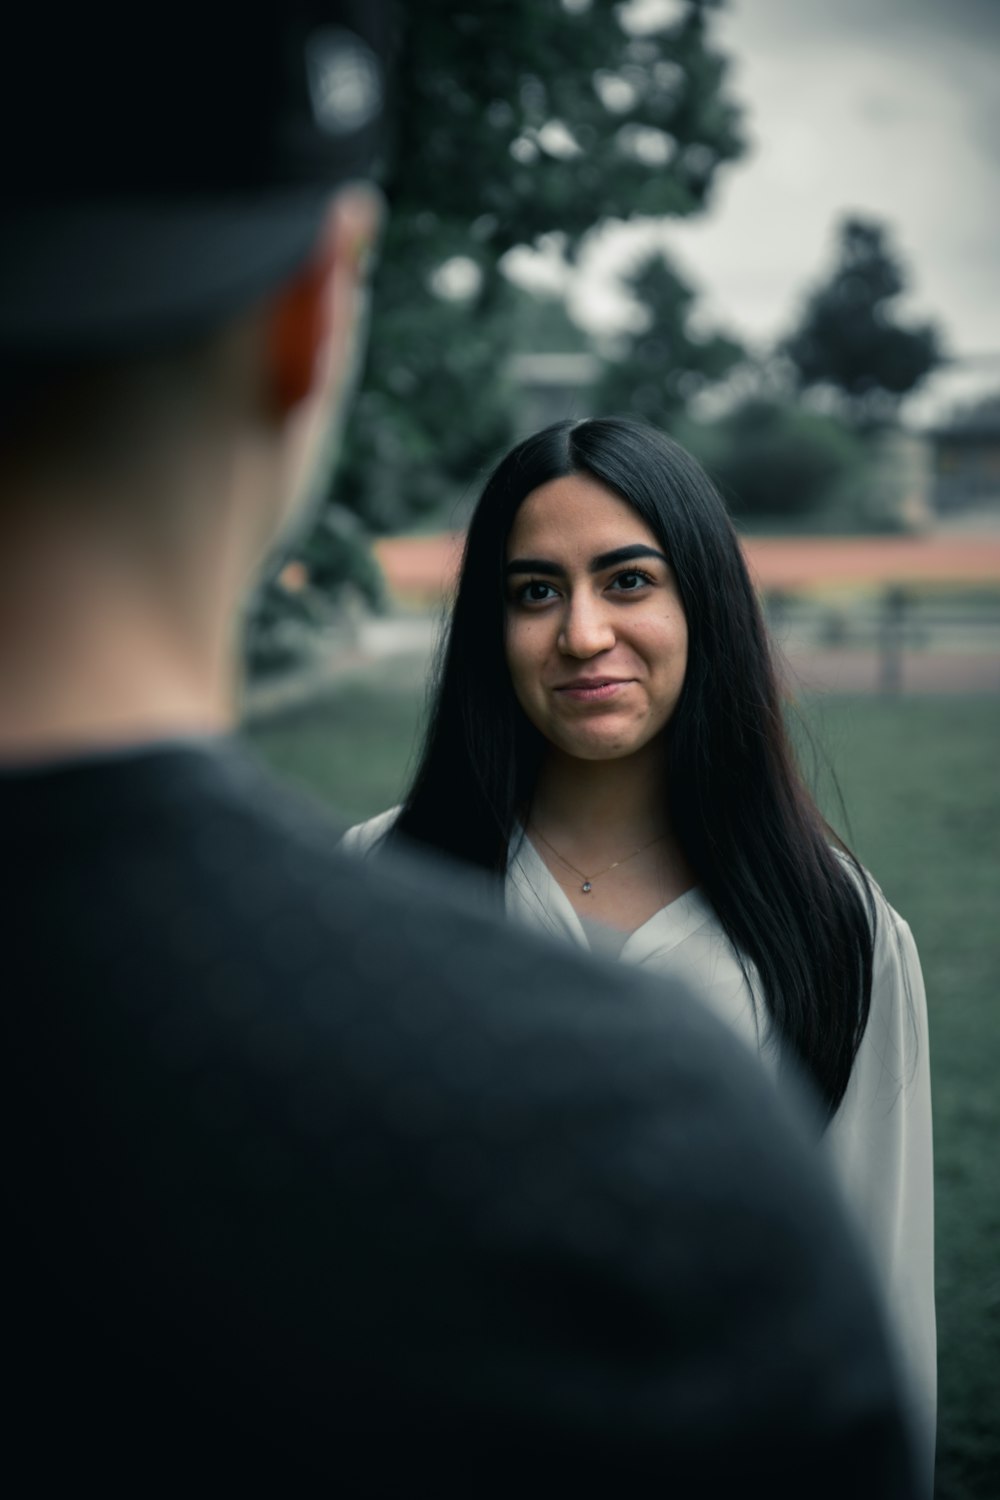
[(363, 837), (880, 1144)]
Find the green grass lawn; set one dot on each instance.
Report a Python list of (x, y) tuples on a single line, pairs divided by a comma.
[(352, 750), (921, 787)]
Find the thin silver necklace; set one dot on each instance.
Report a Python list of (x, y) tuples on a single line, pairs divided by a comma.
[(588, 880)]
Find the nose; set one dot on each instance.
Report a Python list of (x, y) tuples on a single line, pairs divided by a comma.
[(586, 628)]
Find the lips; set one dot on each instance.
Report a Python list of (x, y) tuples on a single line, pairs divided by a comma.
[(592, 689)]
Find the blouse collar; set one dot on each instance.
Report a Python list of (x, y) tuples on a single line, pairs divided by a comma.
[(534, 895)]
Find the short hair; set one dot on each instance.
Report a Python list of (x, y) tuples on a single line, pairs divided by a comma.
[(154, 198), (151, 196)]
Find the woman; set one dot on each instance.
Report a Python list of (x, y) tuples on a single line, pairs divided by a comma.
[(607, 738)]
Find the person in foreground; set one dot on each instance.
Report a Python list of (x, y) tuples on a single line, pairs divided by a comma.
[(606, 735), (319, 1178)]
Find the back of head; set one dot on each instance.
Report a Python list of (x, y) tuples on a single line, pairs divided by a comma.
[(159, 182), (184, 216)]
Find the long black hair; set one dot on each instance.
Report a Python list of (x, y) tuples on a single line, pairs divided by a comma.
[(790, 897)]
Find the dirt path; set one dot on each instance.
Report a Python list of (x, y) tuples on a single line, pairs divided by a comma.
[(953, 673)]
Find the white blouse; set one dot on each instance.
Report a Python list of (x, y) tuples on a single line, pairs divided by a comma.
[(879, 1141)]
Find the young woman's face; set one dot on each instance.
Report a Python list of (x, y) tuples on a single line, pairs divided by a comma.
[(596, 637)]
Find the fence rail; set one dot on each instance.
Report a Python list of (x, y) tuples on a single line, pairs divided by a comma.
[(895, 634)]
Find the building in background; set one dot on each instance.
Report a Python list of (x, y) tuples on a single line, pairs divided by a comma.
[(967, 465)]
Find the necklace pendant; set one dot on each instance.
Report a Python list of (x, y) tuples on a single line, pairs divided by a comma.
[(586, 888)]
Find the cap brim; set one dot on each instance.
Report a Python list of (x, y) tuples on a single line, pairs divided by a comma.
[(92, 279)]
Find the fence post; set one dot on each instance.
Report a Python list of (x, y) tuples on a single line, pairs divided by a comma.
[(892, 629)]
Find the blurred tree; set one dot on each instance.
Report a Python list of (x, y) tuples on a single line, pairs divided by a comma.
[(542, 324), (658, 369), (520, 119), (779, 465), (848, 339), (332, 569)]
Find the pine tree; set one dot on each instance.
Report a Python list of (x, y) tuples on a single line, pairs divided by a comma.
[(658, 369), (849, 339)]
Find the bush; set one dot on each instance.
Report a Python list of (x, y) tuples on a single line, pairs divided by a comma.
[(317, 589), (782, 463)]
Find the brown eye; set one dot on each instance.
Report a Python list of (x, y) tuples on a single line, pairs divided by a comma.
[(630, 581), (535, 592)]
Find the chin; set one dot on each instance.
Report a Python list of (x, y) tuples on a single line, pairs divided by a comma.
[(613, 744), (594, 750)]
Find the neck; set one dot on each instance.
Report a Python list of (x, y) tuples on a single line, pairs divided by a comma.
[(610, 802), (100, 648)]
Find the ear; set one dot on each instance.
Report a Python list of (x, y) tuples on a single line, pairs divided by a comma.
[(309, 320)]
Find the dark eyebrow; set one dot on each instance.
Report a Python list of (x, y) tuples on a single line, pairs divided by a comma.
[(625, 554), (535, 565), (597, 564)]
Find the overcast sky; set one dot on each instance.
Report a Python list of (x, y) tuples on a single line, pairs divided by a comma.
[(885, 107)]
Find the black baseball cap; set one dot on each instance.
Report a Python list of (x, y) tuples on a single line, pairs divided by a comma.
[(162, 171)]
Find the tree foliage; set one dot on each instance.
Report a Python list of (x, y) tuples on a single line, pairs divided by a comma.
[(516, 119), (779, 464), (658, 369), (849, 338)]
